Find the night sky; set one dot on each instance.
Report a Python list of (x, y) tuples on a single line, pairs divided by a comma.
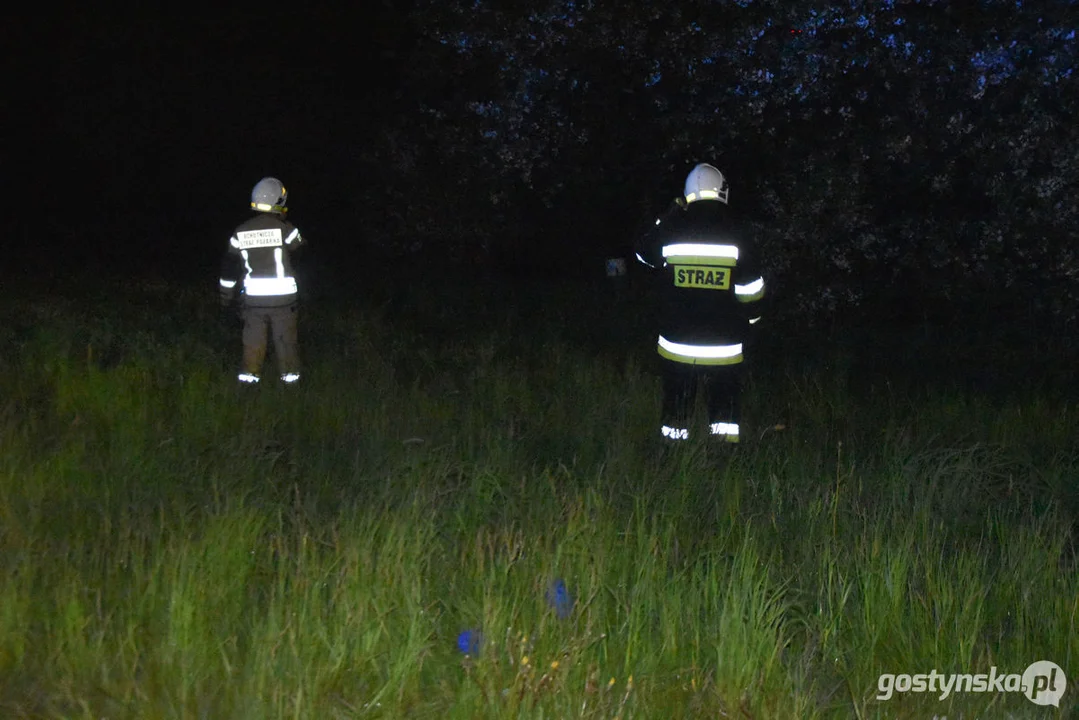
[(144, 133)]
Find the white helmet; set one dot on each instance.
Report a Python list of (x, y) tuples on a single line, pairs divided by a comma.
[(269, 196), (704, 182)]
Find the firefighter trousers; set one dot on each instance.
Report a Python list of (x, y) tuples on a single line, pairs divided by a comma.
[(259, 324), (720, 385)]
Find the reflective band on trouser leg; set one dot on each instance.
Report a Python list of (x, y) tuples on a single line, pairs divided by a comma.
[(729, 431), (730, 354), (248, 378), (290, 377), (674, 433)]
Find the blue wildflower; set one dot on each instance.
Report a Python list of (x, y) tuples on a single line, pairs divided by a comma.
[(469, 641), (558, 597)]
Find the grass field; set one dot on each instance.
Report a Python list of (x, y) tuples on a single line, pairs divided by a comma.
[(172, 546)]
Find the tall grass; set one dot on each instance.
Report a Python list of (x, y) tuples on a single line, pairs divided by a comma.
[(173, 546)]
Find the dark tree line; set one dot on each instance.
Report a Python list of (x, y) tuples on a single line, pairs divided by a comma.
[(891, 149), (882, 151)]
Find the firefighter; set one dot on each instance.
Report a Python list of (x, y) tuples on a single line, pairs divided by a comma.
[(709, 286), (257, 272)]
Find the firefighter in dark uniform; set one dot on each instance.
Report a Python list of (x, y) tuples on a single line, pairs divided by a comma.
[(709, 288), (257, 271)]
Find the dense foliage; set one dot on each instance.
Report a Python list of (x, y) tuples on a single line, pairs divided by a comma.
[(881, 149)]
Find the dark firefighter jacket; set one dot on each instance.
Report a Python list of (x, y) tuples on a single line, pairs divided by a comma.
[(709, 283), (258, 262)]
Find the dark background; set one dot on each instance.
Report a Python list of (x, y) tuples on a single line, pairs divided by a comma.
[(895, 160), (143, 133)]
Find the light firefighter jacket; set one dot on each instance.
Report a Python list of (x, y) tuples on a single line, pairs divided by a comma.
[(709, 283), (258, 262)]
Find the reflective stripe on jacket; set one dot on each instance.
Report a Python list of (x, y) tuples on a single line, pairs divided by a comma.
[(708, 282), (258, 261)]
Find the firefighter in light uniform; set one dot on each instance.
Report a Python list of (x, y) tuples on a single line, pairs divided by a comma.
[(258, 267), (709, 288)]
